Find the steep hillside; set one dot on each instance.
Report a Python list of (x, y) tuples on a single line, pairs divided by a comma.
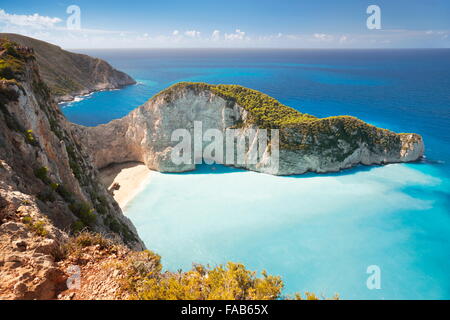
[(40, 157), (70, 74)]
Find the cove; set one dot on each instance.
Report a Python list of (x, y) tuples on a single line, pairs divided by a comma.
[(319, 232)]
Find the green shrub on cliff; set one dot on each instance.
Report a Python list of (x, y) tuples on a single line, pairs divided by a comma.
[(232, 281), (42, 174), (46, 195), (84, 212), (12, 60), (64, 193), (142, 276), (9, 67), (10, 48), (6, 72), (39, 227), (264, 110), (87, 239), (78, 226), (30, 138), (74, 163)]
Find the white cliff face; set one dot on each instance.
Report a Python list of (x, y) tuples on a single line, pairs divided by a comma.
[(145, 135)]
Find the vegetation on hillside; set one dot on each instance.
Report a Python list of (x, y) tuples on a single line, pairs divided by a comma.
[(225, 282), (298, 130), (143, 277), (12, 59), (68, 73), (15, 60), (264, 110)]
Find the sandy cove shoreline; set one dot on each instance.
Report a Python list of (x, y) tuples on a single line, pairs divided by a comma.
[(132, 178)]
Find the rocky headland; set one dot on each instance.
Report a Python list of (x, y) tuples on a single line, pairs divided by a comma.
[(306, 144), (69, 74)]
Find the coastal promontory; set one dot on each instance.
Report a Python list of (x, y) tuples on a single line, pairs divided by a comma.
[(69, 74), (306, 143)]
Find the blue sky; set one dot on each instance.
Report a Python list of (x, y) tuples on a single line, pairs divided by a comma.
[(262, 23)]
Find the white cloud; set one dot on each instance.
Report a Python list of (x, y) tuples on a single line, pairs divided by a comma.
[(343, 39), (238, 35), (35, 20), (53, 29), (215, 35), (192, 33), (323, 37), (432, 32)]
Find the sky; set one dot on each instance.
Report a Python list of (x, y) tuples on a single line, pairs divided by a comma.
[(231, 23)]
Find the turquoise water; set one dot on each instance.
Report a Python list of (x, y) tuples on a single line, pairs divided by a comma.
[(319, 232)]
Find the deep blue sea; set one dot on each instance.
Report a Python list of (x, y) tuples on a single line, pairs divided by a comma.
[(319, 232)]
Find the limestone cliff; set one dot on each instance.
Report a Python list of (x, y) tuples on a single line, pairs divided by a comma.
[(70, 74), (41, 163), (307, 143)]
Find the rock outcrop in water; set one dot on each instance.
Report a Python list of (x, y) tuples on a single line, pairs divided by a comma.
[(42, 165), (71, 74), (307, 143)]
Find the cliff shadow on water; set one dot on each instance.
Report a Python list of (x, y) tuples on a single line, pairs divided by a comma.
[(223, 169)]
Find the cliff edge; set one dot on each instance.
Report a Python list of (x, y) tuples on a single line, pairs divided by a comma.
[(41, 163)]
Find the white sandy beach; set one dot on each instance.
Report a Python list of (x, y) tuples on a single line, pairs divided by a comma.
[(131, 176)]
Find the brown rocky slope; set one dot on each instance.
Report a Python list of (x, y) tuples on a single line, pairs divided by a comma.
[(49, 189), (39, 155)]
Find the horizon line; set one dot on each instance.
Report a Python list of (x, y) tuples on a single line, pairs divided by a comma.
[(262, 48)]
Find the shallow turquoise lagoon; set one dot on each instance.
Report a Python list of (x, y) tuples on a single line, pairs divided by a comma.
[(320, 233)]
